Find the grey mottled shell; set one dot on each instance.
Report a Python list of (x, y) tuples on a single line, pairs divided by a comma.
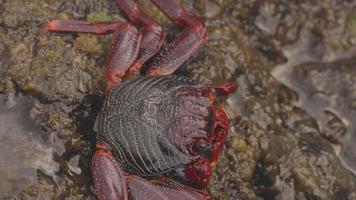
[(142, 119)]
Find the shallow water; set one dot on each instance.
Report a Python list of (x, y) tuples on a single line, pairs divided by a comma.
[(23, 151)]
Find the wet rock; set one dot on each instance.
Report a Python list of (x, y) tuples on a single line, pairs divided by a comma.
[(331, 91), (23, 151), (212, 9), (73, 165), (351, 22), (69, 76), (89, 44), (237, 165), (309, 169), (3, 49), (275, 148), (35, 59), (10, 21), (3, 62)]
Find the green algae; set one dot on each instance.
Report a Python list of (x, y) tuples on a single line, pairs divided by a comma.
[(98, 17)]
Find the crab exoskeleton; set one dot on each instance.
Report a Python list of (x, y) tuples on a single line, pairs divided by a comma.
[(158, 125)]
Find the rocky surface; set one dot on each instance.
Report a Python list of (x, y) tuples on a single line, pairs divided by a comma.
[(292, 119)]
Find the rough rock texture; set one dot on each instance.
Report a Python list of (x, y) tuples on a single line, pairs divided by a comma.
[(290, 119)]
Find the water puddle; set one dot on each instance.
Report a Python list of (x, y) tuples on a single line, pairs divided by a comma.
[(22, 149)]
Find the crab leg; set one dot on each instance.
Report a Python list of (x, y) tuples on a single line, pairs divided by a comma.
[(124, 50), (153, 35), (125, 45), (78, 26), (163, 189), (224, 88), (188, 42), (111, 182), (108, 176)]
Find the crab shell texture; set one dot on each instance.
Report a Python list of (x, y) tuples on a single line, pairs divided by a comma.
[(152, 122)]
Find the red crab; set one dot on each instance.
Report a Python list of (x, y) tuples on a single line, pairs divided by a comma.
[(154, 125)]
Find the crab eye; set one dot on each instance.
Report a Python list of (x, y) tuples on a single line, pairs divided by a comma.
[(202, 148)]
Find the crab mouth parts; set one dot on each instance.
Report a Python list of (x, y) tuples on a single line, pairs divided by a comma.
[(210, 147), (203, 148)]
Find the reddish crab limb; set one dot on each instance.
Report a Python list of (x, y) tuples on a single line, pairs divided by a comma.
[(108, 176), (188, 42), (124, 50), (177, 14), (111, 182), (223, 89), (152, 41), (78, 26), (220, 127), (173, 190), (162, 189), (153, 35), (134, 13), (124, 47), (199, 172)]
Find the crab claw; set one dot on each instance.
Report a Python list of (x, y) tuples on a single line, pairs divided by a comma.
[(220, 127), (199, 172)]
